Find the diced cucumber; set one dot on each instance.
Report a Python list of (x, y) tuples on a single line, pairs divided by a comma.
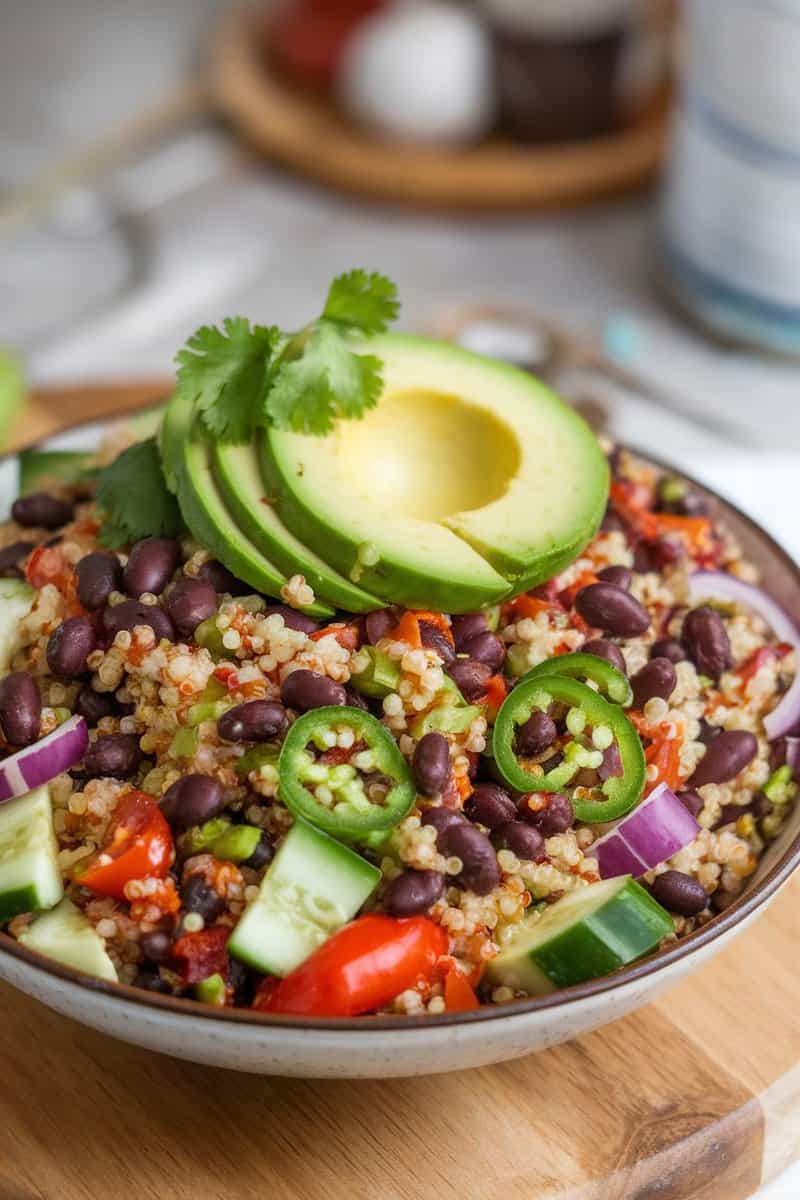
[(66, 935), (30, 878), (587, 933), (313, 887), (211, 990), (16, 597)]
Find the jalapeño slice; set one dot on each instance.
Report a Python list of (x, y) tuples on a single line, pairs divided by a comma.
[(586, 711), (333, 796), (612, 683)]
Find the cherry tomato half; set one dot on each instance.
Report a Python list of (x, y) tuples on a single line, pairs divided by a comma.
[(138, 845)]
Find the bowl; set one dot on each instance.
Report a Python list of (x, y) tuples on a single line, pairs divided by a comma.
[(379, 1047)]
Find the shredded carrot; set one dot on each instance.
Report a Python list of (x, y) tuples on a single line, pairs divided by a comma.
[(664, 751), (463, 787), (496, 692), (695, 532), (527, 605), (632, 503), (347, 635), (407, 628)]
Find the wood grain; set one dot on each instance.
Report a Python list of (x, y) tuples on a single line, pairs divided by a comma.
[(311, 137), (695, 1098)]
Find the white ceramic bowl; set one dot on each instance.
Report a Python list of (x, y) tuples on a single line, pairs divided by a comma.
[(381, 1046)]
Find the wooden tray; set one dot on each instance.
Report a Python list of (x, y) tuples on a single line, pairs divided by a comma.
[(695, 1098), (312, 138)]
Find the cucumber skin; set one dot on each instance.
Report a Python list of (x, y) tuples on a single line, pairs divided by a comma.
[(626, 926), (21, 900)]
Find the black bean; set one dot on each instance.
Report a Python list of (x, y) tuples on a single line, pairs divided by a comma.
[(93, 706), (675, 496), (602, 648), (253, 721), (612, 609), (432, 638), (431, 763), (707, 732), (151, 565), (193, 800), (11, 557), (114, 755), (222, 580), (467, 626), (413, 892), (41, 510), (190, 602), (151, 981), (725, 757), (612, 523), (131, 613), (760, 806), (679, 893), (535, 735), (618, 575), (480, 872), (442, 818), (522, 839), (198, 897), (489, 805), (486, 648), (555, 817), (156, 945), (470, 678), (691, 801), (293, 619), (69, 646), (706, 641), (20, 708), (262, 855), (354, 699), (304, 689), (670, 648), (377, 624), (99, 574), (611, 766), (729, 813), (656, 680)]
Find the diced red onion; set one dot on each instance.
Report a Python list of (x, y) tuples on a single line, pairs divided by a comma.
[(652, 833), (41, 762), (711, 585)]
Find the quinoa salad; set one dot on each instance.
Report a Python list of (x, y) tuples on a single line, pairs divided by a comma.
[(218, 793)]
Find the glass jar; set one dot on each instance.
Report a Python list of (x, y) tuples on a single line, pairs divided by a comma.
[(729, 240)]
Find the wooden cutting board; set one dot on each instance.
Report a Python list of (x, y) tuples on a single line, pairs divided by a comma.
[(696, 1097)]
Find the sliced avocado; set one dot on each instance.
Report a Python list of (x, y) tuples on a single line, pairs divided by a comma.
[(186, 455), (237, 473), (470, 481)]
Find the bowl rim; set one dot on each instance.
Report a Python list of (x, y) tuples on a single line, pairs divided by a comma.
[(741, 908)]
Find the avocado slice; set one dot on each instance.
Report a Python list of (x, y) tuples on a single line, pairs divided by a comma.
[(186, 455), (238, 475), (469, 482)]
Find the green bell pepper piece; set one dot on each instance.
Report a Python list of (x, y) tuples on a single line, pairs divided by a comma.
[(211, 990), (184, 743), (380, 677), (620, 793), (259, 756), (206, 634)]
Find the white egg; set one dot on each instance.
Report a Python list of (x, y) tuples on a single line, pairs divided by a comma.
[(420, 71)]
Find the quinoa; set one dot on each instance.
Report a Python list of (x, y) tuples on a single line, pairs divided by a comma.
[(170, 695)]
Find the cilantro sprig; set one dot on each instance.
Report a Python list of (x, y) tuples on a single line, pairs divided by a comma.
[(243, 378), (133, 498)]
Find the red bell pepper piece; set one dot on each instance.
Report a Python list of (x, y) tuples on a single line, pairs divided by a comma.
[(203, 953), (361, 968)]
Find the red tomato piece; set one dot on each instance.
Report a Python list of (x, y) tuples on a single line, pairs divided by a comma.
[(361, 968), (138, 845), (459, 995)]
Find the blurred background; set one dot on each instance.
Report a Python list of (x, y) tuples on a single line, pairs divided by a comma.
[(599, 189)]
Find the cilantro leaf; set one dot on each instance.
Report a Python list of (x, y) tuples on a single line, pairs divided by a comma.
[(327, 381), (133, 498), (366, 303), (225, 371)]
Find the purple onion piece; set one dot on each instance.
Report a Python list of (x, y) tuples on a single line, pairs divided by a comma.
[(39, 763), (652, 833)]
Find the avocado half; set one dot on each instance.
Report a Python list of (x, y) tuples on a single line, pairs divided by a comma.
[(469, 482)]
